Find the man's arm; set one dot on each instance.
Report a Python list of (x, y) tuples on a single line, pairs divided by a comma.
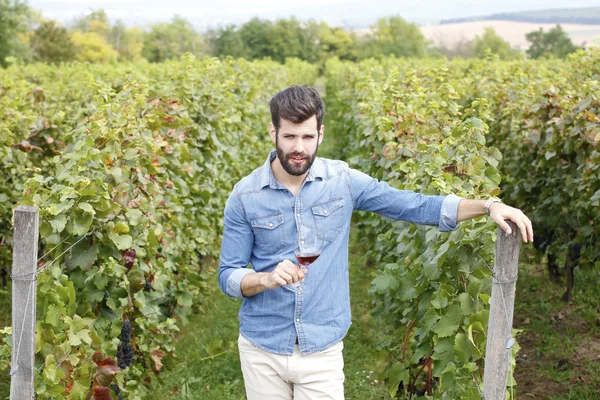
[(236, 248), (235, 279), (446, 212), (369, 194), (499, 212), (285, 272)]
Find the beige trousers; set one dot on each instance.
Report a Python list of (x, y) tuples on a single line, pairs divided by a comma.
[(268, 376)]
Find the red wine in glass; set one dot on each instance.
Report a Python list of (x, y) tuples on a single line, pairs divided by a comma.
[(306, 259), (307, 250)]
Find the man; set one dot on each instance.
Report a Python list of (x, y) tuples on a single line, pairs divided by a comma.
[(291, 342)]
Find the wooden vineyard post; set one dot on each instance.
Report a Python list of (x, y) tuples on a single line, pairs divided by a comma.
[(24, 287), (502, 303)]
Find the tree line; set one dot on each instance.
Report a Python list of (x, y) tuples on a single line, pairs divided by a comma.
[(25, 35)]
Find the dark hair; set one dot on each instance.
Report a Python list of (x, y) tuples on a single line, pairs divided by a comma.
[(297, 104)]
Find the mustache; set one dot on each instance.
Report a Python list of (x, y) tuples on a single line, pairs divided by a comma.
[(290, 155)]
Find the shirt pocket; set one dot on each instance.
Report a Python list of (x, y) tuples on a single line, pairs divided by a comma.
[(268, 232), (329, 218)]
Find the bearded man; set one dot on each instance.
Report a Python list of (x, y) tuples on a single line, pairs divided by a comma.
[(290, 341)]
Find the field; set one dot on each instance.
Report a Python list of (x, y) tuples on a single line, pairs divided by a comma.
[(130, 166), (449, 35)]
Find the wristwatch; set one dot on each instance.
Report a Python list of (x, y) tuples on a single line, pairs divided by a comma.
[(488, 204)]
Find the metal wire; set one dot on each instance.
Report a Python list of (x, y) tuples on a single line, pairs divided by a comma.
[(46, 266)]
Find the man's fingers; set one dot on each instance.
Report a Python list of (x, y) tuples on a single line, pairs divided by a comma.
[(286, 273), (523, 229), (289, 272), (279, 280), (522, 222), (287, 276), (529, 229), (500, 215), (505, 227)]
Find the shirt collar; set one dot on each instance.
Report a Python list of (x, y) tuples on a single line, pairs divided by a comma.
[(317, 170)]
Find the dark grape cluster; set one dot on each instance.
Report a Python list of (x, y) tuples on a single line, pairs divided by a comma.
[(148, 286), (117, 390), (128, 258), (124, 350)]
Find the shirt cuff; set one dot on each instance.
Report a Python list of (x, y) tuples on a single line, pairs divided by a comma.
[(449, 212), (234, 282)]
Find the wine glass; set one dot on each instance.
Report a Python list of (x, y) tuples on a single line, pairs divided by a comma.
[(307, 249)]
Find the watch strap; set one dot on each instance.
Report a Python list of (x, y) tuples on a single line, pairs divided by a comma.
[(488, 204)]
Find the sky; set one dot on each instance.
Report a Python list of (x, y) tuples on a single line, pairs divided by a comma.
[(348, 13)]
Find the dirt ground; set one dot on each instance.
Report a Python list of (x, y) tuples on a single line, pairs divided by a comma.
[(542, 374)]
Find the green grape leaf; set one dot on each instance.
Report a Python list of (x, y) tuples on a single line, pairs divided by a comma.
[(449, 323), (87, 207), (53, 315), (122, 242), (398, 373), (82, 256), (462, 348)]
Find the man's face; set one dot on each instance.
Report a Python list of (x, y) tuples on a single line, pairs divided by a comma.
[(297, 144)]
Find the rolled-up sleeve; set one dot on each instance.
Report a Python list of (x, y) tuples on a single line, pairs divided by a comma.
[(236, 248), (449, 212), (369, 194)]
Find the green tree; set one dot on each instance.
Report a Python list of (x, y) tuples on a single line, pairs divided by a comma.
[(255, 36), (14, 21), (52, 43), (494, 43), (336, 42), (170, 40), (96, 21), (228, 42), (311, 41), (394, 36), (554, 43), (289, 38), (93, 47), (128, 42)]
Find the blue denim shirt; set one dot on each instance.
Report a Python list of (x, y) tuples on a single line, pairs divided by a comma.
[(261, 220)]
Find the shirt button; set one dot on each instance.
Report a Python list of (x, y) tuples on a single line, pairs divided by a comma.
[(298, 320), (298, 215), (271, 225), (325, 212)]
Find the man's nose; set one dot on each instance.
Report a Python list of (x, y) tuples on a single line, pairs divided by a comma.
[(299, 146)]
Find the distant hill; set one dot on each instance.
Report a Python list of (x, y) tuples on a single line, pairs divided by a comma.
[(586, 16), (449, 35)]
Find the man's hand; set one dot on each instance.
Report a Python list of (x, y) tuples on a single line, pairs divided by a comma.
[(284, 273), (501, 212)]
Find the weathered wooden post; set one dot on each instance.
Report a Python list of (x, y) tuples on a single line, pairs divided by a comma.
[(24, 288), (502, 304)]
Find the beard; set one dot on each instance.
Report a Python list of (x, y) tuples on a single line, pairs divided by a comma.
[(289, 166)]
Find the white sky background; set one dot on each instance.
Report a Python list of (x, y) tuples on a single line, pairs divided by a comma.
[(349, 13)]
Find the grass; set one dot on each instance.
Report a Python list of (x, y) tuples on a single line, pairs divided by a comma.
[(5, 306), (209, 366), (209, 362), (560, 355), (5, 320)]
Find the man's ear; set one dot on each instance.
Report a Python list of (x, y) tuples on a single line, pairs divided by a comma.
[(321, 131), (272, 132)]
